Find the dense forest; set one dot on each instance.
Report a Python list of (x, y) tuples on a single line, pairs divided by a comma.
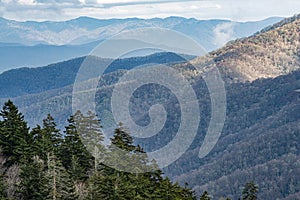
[(44, 163)]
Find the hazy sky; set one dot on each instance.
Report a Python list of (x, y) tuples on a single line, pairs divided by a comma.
[(238, 10)]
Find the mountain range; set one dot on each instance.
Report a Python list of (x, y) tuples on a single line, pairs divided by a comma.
[(260, 141), (42, 43)]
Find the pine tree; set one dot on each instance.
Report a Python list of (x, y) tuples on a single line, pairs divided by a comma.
[(47, 138), (147, 182), (45, 165), (73, 154), (59, 184), (32, 179), (205, 196), (50, 130), (42, 143), (124, 154), (90, 130), (250, 191), (100, 186), (122, 139), (14, 136)]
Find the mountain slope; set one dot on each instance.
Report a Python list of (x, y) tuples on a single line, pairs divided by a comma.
[(265, 55), (260, 142), (24, 81)]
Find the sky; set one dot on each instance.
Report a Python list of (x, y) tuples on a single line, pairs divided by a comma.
[(59, 10)]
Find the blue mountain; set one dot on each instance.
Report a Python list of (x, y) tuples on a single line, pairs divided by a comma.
[(40, 43)]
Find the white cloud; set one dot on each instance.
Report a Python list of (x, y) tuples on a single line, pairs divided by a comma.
[(187, 9), (27, 2), (223, 33), (201, 9)]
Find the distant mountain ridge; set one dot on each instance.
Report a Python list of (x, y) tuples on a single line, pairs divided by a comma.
[(32, 44), (243, 60), (24, 81), (84, 29), (15, 55)]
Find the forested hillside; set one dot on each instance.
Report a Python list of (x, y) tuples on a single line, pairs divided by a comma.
[(273, 52), (260, 142), (45, 163), (18, 82)]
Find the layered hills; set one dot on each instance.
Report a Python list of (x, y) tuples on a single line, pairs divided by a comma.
[(32, 44), (260, 140), (84, 30)]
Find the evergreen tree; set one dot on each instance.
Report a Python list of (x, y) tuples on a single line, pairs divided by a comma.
[(250, 191), (124, 154), (14, 137), (147, 182), (42, 143), (122, 139), (90, 130), (205, 196), (168, 190), (47, 138), (100, 186), (44, 165), (51, 132), (58, 183), (74, 156), (32, 179)]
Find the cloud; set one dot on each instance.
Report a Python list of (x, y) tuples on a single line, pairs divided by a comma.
[(107, 3), (223, 33), (57, 1), (40, 10)]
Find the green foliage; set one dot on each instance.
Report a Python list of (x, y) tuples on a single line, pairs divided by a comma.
[(259, 138), (52, 166), (14, 136), (205, 196), (250, 191), (57, 167), (47, 138), (122, 139), (73, 154), (58, 183), (32, 179), (89, 129), (52, 134), (146, 183)]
